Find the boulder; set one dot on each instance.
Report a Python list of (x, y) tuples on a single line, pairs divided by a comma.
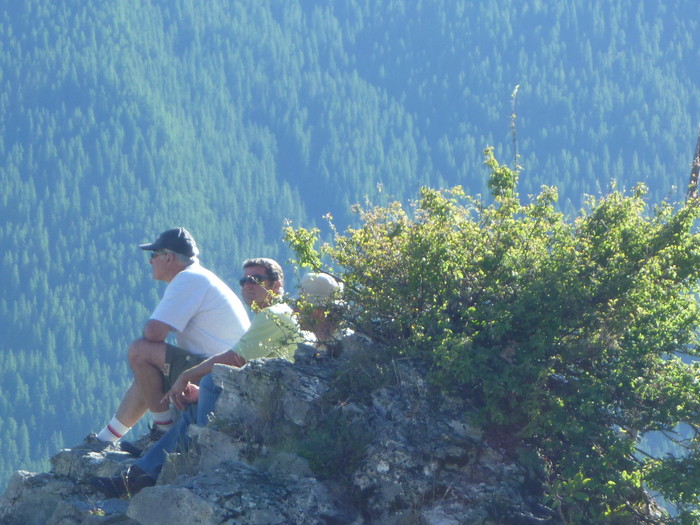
[(325, 440)]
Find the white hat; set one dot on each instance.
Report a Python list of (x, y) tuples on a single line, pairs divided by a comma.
[(319, 287)]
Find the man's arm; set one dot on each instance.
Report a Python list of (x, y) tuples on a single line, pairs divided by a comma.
[(268, 332), (178, 393), (156, 331)]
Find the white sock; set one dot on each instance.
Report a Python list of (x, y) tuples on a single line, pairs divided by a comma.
[(164, 420), (113, 431)]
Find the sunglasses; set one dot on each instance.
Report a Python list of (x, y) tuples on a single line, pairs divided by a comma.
[(156, 254), (253, 279)]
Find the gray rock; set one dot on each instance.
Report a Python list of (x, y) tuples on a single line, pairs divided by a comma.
[(80, 463), (148, 507), (38, 499), (290, 443)]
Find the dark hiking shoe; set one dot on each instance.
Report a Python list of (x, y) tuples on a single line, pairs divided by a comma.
[(155, 433), (91, 442), (129, 483), (130, 448), (137, 448)]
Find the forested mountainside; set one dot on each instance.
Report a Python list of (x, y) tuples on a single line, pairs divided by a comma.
[(121, 119)]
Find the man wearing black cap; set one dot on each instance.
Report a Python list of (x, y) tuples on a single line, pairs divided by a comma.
[(206, 316)]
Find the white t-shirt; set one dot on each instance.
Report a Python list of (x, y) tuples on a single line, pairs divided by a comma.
[(207, 316)]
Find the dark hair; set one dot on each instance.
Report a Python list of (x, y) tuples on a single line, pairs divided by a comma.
[(272, 268)]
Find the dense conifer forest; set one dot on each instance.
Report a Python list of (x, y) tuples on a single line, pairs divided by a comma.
[(121, 119)]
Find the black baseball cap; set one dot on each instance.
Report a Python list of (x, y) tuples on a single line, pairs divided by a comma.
[(177, 240)]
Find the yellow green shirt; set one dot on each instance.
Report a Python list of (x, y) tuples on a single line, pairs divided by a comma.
[(273, 332)]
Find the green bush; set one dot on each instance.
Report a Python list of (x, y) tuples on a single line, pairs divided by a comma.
[(567, 333)]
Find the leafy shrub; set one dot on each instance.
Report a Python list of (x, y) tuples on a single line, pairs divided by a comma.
[(566, 333)]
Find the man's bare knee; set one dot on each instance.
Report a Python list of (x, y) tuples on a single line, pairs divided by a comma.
[(136, 352)]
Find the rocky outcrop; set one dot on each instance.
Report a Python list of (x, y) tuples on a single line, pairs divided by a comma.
[(326, 440)]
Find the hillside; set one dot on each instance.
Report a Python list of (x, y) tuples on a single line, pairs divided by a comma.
[(119, 120)]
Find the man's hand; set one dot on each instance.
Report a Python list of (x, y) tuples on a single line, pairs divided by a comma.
[(191, 394), (182, 393)]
